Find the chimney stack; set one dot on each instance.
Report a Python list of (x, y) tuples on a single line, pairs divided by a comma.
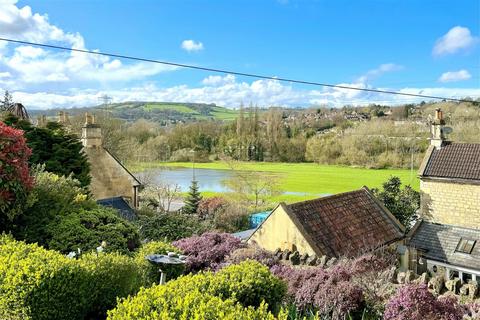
[(91, 133), (437, 130)]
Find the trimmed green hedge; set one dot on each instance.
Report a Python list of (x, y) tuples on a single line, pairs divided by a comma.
[(208, 296), (86, 229), (36, 283), (150, 272)]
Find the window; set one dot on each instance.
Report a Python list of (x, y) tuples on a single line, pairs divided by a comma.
[(465, 245)]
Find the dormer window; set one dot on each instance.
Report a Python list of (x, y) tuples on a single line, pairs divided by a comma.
[(465, 245)]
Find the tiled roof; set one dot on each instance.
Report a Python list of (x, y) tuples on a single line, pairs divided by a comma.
[(439, 242), (346, 223), (119, 204), (455, 161)]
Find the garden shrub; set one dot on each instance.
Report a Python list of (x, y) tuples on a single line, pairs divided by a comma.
[(111, 275), (150, 273), (51, 197), (412, 302), (249, 283), (169, 226), (15, 179), (207, 251), (36, 283), (86, 229), (232, 293)]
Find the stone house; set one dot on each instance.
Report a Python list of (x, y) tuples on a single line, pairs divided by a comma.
[(344, 224), (444, 241), (110, 179)]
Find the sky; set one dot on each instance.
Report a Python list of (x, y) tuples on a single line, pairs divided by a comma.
[(428, 47)]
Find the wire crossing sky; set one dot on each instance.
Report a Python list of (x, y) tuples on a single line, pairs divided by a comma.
[(250, 75), (323, 53)]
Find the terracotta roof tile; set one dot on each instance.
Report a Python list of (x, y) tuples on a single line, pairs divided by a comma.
[(346, 223), (456, 161)]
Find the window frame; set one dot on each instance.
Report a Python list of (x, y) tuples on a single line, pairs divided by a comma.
[(464, 244)]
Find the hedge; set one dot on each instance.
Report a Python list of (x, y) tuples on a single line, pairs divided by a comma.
[(236, 292), (150, 273), (36, 283)]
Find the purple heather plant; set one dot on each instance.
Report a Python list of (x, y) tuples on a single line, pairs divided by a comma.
[(415, 302), (253, 252), (208, 251)]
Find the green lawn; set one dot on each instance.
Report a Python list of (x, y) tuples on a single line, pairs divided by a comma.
[(308, 180)]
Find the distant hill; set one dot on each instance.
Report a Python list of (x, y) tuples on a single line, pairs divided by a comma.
[(162, 112)]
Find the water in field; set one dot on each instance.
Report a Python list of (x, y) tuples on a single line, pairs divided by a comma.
[(208, 179)]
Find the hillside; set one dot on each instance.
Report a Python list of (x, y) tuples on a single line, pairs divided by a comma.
[(161, 112)]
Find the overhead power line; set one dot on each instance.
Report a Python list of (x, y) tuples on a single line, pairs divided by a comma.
[(243, 74)]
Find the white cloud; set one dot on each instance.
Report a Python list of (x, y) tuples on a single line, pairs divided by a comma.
[(5, 75), (453, 76), (30, 65), (262, 92), (377, 72), (455, 40), (218, 80), (191, 45)]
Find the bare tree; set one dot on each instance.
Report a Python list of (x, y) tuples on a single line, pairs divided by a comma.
[(162, 196), (255, 188)]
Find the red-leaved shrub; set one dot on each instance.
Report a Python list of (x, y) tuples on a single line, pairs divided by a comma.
[(15, 179)]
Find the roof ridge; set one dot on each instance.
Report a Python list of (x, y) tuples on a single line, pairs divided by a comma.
[(337, 195)]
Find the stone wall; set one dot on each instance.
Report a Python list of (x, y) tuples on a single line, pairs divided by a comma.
[(451, 203), (109, 178), (279, 231)]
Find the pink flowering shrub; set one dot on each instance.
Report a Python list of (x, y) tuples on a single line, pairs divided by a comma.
[(208, 251), (415, 302), (327, 291)]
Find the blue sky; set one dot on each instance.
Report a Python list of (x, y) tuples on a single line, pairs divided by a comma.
[(429, 47)]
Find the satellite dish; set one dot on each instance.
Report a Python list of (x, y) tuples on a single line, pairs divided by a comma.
[(447, 130)]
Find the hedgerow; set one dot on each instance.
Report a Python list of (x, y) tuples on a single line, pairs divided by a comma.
[(36, 283), (232, 293)]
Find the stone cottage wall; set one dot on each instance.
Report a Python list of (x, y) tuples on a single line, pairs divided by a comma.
[(451, 203)]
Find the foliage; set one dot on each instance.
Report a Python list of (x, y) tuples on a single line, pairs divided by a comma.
[(256, 253), (402, 203), (207, 251), (169, 226), (250, 283), (193, 199), (15, 179), (51, 197), (113, 276), (150, 273), (413, 302), (87, 229), (207, 296), (60, 151), (36, 283), (231, 218), (208, 207)]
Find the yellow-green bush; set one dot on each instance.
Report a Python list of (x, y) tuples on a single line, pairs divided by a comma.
[(40, 284), (112, 275), (150, 273), (36, 283), (232, 293)]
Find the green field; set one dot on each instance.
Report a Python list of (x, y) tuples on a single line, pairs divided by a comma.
[(174, 107), (308, 180)]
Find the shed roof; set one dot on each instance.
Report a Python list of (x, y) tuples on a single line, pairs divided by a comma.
[(439, 243), (345, 223), (119, 204), (453, 161)]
